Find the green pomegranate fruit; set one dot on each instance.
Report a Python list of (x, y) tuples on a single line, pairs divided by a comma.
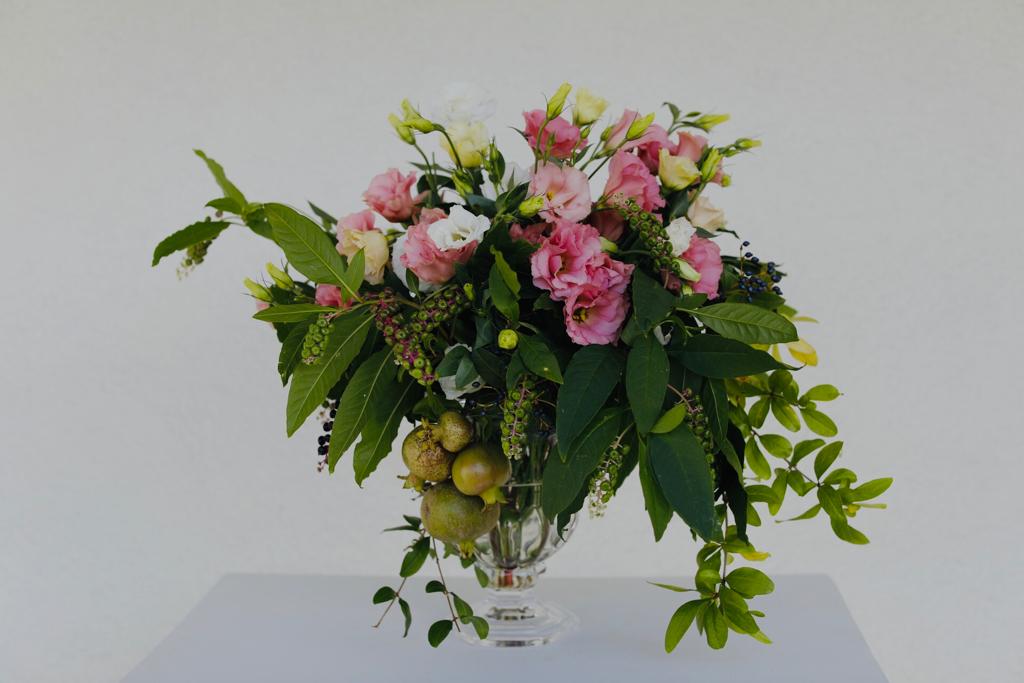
[(481, 470), (454, 431), (454, 517), (425, 457)]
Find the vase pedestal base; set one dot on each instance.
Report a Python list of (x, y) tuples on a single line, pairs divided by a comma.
[(519, 621)]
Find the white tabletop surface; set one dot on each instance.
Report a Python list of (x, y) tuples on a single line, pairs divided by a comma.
[(306, 629)]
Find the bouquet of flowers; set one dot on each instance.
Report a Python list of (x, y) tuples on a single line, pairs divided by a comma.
[(548, 336)]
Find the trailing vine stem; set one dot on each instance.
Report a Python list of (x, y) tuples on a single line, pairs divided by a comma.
[(444, 584)]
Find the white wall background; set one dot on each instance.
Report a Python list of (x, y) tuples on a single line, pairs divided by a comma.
[(142, 448)]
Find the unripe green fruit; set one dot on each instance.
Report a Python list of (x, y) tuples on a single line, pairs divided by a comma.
[(454, 431), (425, 457), (481, 470), (453, 517)]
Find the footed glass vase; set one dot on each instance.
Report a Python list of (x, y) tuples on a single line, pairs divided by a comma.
[(512, 557)]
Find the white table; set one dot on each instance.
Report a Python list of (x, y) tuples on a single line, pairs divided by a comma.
[(306, 629)]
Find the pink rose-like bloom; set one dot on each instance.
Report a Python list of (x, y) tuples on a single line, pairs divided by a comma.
[(423, 257), (594, 315), (705, 257), (566, 259), (653, 140), (612, 275), (608, 222), (563, 137), (534, 234), (328, 295), (360, 221), (628, 178), (566, 192), (621, 127), (390, 195)]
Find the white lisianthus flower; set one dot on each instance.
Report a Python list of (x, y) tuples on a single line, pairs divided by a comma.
[(589, 107), (705, 215), (459, 229), (463, 103), (679, 233), (471, 141)]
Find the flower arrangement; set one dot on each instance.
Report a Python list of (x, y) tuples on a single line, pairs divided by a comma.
[(488, 303)]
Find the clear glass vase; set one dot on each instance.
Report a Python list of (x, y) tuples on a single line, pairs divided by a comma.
[(512, 557)]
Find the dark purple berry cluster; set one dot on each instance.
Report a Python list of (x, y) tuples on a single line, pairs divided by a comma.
[(756, 277), (329, 412)]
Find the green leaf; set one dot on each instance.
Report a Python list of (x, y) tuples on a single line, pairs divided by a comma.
[(785, 414), (481, 626), (804, 448), (291, 350), (758, 412), (736, 611), (715, 628), (383, 594), (481, 577), (819, 423), (308, 247), (369, 382), (826, 456), (508, 275), (539, 359), (589, 379), (822, 392), (354, 274), (226, 186), (658, 509), (809, 513), (563, 479), (326, 219), (414, 559), (489, 366), (746, 323), (755, 460), (716, 406), (290, 313), (670, 419), (187, 236), (462, 607), (438, 631), (831, 503), (225, 204), (778, 446), (651, 302), (504, 299), (749, 582), (407, 614), (646, 380), (681, 468), (722, 358), (680, 623), (381, 427), (310, 383), (671, 587), (845, 532), (870, 489)]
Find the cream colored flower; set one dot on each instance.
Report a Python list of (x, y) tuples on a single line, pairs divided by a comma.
[(471, 141), (589, 107), (706, 216), (375, 251), (679, 233), (676, 173)]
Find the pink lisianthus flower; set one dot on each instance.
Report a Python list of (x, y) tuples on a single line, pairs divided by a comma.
[(705, 257), (328, 295), (594, 315), (692, 147), (617, 138), (566, 192), (360, 221), (566, 259), (534, 234), (390, 195), (612, 275), (628, 178), (422, 255), (562, 136), (654, 139)]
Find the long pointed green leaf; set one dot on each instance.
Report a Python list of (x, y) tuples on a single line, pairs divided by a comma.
[(363, 390), (681, 467), (646, 380), (308, 247), (310, 383), (381, 428), (227, 187), (187, 236), (746, 323), (590, 378)]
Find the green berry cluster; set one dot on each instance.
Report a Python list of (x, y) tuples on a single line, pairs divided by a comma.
[(602, 485), (315, 340), (516, 411), (410, 338), (697, 420), (194, 255), (652, 234)]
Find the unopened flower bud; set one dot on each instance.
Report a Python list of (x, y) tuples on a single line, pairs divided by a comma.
[(639, 126), (415, 120), (747, 143), (709, 166), (403, 131), (608, 246), (531, 206), (676, 173), (469, 290), (508, 339), (709, 121), (589, 107), (726, 180), (557, 101), (257, 290), (607, 133), (687, 271), (280, 277)]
